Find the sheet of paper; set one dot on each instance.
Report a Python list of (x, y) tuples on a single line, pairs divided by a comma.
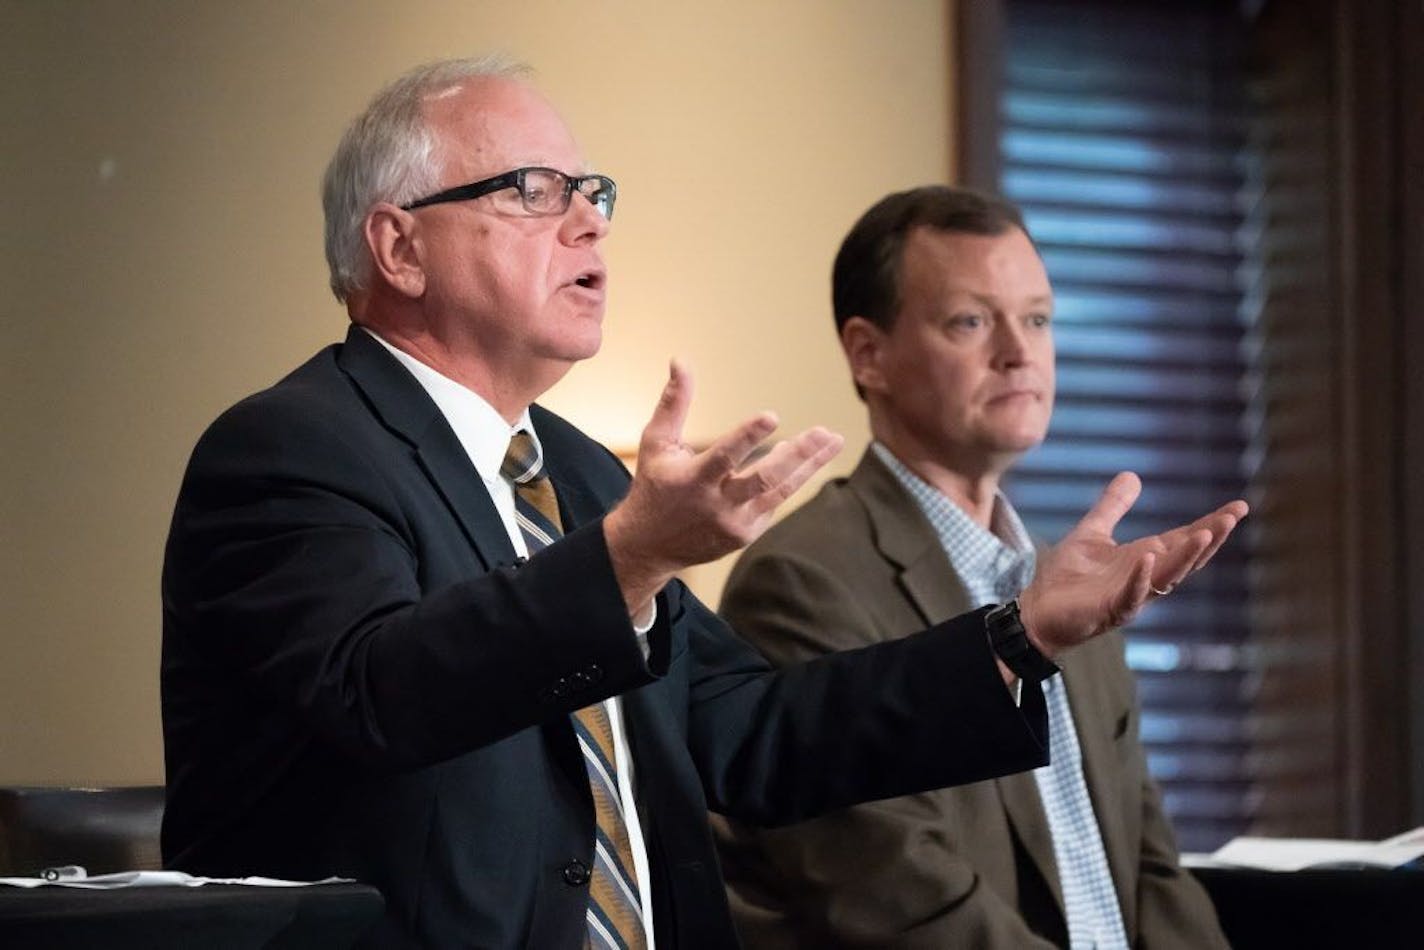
[(1295, 854), (76, 877)]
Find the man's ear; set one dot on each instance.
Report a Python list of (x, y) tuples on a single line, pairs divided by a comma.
[(862, 342), (395, 252)]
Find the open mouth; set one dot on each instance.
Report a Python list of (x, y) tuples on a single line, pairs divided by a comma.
[(592, 280)]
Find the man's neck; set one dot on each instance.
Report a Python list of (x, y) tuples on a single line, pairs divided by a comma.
[(510, 394), (973, 491)]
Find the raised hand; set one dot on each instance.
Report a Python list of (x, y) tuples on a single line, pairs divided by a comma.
[(1088, 583), (687, 507)]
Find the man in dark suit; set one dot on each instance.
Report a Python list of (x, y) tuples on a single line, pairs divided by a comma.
[(413, 636), (944, 311)]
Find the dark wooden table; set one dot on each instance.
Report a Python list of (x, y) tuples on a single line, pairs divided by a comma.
[(211, 917), (1336, 908)]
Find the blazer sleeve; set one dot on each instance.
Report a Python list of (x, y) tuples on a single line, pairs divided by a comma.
[(778, 746), (883, 874)]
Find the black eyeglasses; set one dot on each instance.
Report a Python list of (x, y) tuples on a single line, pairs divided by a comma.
[(543, 191)]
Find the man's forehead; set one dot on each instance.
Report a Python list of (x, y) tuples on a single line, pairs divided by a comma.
[(980, 265)]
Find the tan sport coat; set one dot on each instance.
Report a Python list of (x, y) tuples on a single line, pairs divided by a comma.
[(970, 866)]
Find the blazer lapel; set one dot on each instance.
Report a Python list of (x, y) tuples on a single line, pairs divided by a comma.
[(578, 502), (1024, 806), (405, 408), (1092, 718), (931, 584), (906, 540)]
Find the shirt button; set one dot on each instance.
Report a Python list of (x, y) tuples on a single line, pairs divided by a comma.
[(576, 873)]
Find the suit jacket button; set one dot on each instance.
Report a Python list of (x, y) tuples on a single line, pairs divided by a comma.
[(576, 873)]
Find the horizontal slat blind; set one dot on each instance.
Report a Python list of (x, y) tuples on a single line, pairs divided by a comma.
[(1122, 130)]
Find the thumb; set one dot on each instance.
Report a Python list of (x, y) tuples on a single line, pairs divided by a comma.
[(1116, 500), (665, 427)]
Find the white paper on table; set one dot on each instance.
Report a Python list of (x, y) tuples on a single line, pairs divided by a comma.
[(1297, 854), (102, 882)]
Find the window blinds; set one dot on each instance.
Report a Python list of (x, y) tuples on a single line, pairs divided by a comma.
[(1121, 137)]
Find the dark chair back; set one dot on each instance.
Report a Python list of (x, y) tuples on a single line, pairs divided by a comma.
[(100, 829)]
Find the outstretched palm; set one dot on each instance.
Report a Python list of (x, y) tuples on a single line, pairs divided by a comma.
[(1089, 583)]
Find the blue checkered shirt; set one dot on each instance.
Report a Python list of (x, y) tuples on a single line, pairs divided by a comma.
[(994, 566)]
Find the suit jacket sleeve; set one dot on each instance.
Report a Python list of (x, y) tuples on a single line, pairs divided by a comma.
[(926, 711), (902, 882)]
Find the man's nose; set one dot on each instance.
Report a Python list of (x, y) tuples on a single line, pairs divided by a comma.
[(1010, 343), (583, 222)]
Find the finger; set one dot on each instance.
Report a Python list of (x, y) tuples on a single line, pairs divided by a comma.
[(1134, 592), (1115, 501), (1180, 560), (784, 469), (781, 463), (1220, 530), (665, 427), (1224, 521), (813, 464), (730, 451), (1220, 523)]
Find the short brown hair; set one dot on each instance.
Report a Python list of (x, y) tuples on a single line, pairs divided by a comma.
[(865, 281)]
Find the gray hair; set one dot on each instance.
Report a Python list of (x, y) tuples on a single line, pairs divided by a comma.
[(387, 154)]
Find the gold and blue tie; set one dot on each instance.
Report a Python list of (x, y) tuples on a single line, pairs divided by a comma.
[(615, 913)]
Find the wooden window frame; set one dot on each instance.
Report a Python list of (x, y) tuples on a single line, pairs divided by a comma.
[(1376, 196)]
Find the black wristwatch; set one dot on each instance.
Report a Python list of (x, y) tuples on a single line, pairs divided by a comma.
[(1012, 645)]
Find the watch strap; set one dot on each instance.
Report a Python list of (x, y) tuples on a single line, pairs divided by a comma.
[(1010, 643)]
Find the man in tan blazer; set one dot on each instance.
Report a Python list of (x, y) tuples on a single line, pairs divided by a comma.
[(944, 312)]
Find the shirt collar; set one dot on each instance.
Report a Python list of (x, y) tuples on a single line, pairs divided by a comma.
[(993, 563), (480, 428)]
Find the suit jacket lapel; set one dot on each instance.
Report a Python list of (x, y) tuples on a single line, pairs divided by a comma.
[(931, 584), (405, 408), (906, 540), (579, 503), (1092, 718)]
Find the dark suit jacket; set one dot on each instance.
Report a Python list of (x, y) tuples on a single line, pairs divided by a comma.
[(359, 680), (963, 867)]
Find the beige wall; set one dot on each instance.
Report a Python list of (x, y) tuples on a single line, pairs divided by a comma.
[(162, 258)]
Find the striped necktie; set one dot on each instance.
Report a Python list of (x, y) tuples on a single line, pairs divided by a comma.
[(615, 912)]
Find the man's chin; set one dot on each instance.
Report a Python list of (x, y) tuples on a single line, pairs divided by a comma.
[(589, 347), (1018, 443), (577, 349)]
